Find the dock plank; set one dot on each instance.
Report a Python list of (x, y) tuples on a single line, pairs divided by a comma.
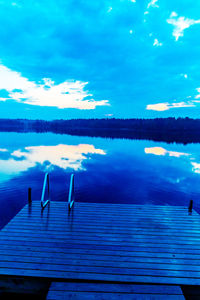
[(71, 290), (125, 243)]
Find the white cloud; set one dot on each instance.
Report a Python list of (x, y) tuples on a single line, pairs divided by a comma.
[(173, 14), (108, 115), (157, 43), (166, 106), (109, 9), (152, 3), (158, 106), (69, 94), (180, 24), (15, 4), (184, 75), (198, 96), (131, 31)]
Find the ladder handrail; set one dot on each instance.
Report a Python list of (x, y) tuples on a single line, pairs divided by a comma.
[(46, 182), (71, 197)]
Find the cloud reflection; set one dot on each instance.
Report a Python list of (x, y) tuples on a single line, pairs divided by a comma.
[(196, 167), (162, 151), (62, 156)]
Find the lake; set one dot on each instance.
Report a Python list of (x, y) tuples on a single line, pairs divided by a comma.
[(106, 170)]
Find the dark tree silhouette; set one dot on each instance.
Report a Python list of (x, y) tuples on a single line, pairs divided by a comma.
[(180, 130)]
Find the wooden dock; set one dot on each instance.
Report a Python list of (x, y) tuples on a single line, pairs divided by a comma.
[(101, 244)]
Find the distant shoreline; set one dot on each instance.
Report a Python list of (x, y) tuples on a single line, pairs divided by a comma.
[(170, 130)]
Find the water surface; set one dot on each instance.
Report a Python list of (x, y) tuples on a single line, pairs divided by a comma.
[(106, 170)]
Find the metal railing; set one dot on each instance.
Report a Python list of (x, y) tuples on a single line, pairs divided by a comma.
[(71, 197), (46, 183)]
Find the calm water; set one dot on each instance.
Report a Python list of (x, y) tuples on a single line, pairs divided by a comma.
[(112, 171)]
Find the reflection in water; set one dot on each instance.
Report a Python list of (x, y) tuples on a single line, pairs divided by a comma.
[(196, 167), (62, 156), (109, 171), (162, 151)]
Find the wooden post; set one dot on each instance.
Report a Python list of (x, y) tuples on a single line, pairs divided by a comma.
[(29, 195), (190, 206)]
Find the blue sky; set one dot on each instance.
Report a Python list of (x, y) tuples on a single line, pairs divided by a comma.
[(108, 58)]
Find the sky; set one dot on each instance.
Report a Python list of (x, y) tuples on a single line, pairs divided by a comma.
[(99, 59)]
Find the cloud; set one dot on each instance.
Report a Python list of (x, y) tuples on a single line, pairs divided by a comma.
[(62, 156), (108, 115), (184, 75), (157, 43), (61, 41), (68, 94), (197, 96), (162, 151), (166, 106), (158, 106), (152, 3), (180, 24), (173, 14)]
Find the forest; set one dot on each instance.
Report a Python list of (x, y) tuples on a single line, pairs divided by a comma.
[(180, 130)]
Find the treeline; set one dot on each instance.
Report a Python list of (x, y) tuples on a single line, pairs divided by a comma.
[(182, 130)]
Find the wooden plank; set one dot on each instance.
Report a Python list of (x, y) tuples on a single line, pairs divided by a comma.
[(97, 259), (60, 275), (84, 228), (110, 227), (134, 223), (119, 213), (54, 295), (141, 248), (96, 236), (145, 242), (100, 270), (87, 262), (106, 225), (108, 211), (108, 207), (79, 232), (106, 222), (116, 288), (122, 216), (111, 205), (61, 290), (102, 253), (96, 231), (185, 219)]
